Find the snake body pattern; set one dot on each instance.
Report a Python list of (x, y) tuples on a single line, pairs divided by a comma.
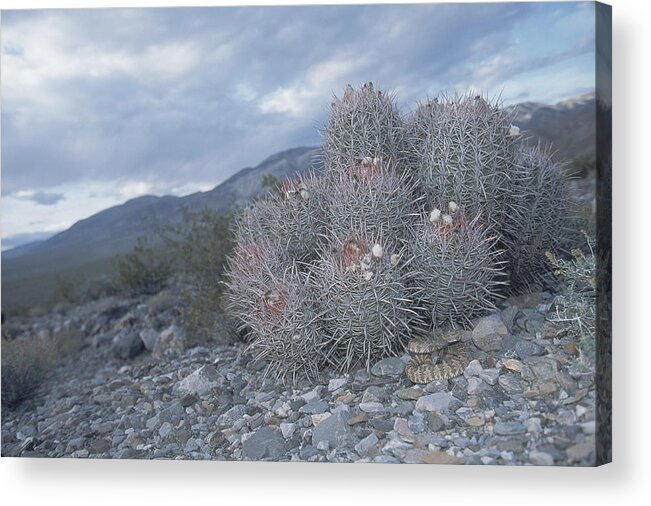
[(453, 359)]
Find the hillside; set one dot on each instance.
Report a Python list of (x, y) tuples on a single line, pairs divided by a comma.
[(29, 272)]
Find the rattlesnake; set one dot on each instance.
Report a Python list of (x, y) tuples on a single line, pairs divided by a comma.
[(452, 359)]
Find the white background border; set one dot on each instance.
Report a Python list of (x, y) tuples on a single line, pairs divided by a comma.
[(626, 481)]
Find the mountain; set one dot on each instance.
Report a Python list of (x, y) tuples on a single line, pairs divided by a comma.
[(568, 126), (29, 272)]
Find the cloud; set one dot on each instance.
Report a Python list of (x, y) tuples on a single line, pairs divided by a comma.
[(159, 100), (40, 197)]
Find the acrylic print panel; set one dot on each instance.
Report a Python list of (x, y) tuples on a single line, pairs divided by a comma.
[(424, 278)]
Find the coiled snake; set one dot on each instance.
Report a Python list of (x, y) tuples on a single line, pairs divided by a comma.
[(452, 360)]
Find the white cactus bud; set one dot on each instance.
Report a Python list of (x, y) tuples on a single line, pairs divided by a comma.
[(435, 215), (514, 131), (377, 251), (367, 160), (368, 275), (395, 258), (453, 207), (305, 194), (447, 219)]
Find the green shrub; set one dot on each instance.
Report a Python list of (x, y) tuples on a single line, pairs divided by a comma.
[(143, 271), (200, 245)]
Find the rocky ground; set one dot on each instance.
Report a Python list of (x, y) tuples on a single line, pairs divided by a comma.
[(136, 390)]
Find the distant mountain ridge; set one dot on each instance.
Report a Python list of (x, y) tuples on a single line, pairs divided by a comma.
[(90, 243), (568, 126)]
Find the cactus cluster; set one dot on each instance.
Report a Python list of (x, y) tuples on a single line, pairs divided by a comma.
[(418, 221)]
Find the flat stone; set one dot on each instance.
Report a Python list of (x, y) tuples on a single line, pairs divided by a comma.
[(474, 368), (525, 348), (371, 407), (392, 366), (512, 365), (287, 429), (541, 458), (410, 394), (265, 443), (509, 428), (438, 457), (165, 430), (317, 419), (401, 426), (510, 383), (336, 384), (543, 368), (474, 385), (231, 416), (201, 381), (438, 402), (435, 422), (579, 452), (489, 376), (366, 445), (488, 333), (360, 418), (333, 429), (314, 407)]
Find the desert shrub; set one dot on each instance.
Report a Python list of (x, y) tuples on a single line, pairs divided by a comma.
[(412, 223), (25, 364), (582, 166), (143, 271), (576, 305), (199, 245)]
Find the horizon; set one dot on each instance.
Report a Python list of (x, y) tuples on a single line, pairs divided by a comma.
[(174, 101)]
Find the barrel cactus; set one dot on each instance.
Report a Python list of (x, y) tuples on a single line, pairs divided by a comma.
[(409, 227), (365, 122), (372, 196), (368, 309), (463, 150), (540, 219), (459, 270), (287, 326), (251, 267)]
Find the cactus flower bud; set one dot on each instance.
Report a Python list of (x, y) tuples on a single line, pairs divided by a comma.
[(453, 207), (368, 275), (395, 258), (377, 251), (447, 219), (435, 215), (514, 131)]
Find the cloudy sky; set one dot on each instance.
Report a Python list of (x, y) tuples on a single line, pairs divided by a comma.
[(103, 105)]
